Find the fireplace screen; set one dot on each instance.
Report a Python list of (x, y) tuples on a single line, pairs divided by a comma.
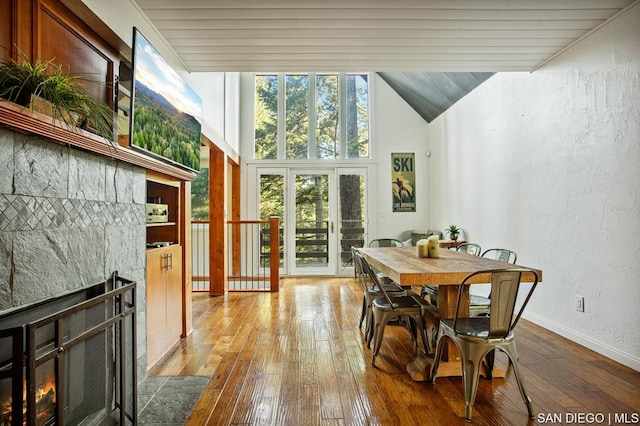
[(74, 366)]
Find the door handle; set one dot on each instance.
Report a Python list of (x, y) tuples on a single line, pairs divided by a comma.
[(168, 261), (331, 227)]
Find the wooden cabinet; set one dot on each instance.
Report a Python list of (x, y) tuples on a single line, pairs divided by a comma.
[(168, 269), (164, 300)]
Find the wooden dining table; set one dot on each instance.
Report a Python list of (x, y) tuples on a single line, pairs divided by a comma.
[(403, 266)]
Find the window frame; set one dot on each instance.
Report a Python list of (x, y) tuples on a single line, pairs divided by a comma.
[(312, 153)]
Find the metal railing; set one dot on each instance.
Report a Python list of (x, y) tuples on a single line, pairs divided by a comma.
[(200, 255), (312, 240), (255, 247), (252, 265)]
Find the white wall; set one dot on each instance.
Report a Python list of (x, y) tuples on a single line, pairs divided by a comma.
[(396, 127), (219, 93), (548, 164)]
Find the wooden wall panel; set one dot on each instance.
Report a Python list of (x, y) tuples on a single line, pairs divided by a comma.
[(185, 230), (64, 39), (217, 222), (6, 14), (47, 30), (16, 25)]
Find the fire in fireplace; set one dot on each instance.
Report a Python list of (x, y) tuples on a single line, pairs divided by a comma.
[(45, 401), (69, 361)]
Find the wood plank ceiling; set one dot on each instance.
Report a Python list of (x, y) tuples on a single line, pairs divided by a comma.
[(374, 35), (409, 42)]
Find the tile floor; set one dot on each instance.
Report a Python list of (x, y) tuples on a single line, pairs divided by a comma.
[(168, 400)]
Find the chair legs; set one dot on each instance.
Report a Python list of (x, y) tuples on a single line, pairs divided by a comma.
[(364, 311), (379, 323), (380, 320), (512, 353), (490, 361), (436, 360), (472, 356), (470, 376)]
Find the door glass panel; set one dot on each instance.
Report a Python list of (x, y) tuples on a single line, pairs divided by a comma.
[(352, 210), (271, 204), (312, 220)]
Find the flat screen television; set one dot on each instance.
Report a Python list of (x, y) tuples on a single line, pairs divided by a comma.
[(165, 111)]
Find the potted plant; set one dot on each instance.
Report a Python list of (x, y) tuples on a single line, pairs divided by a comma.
[(46, 88), (453, 232)]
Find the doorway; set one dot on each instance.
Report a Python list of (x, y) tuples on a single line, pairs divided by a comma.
[(323, 214)]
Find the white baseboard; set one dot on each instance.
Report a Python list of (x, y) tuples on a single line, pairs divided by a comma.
[(615, 354)]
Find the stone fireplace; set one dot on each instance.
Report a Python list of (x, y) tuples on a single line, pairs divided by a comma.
[(68, 219), (70, 360)]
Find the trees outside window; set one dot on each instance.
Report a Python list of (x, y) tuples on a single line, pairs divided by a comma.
[(318, 116), (297, 116), (266, 120)]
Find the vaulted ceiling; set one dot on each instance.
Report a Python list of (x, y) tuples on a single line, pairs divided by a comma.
[(432, 93), (406, 41)]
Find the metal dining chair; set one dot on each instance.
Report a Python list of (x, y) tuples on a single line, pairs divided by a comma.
[(479, 305), (371, 292), (470, 248), (477, 337), (385, 242), (432, 290), (501, 255), (387, 308)]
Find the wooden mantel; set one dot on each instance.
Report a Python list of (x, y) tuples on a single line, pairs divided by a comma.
[(25, 120)]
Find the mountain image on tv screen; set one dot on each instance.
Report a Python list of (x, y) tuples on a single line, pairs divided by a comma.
[(166, 111)]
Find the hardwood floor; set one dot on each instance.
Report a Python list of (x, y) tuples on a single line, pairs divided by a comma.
[(297, 357)]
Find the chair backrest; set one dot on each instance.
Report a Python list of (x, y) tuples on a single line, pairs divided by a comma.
[(505, 285), (363, 277), (357, 265), (385, 242), (368, 270), (470, 248), (501, 255)]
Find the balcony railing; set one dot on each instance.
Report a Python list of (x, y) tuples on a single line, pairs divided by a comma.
[(251, 265), (256, 248)]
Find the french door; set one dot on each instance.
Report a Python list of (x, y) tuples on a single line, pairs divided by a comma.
[(322, 215), (311, 228)]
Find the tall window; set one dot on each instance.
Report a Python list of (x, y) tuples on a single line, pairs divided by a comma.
[(297, 116), (312, 116), (266, 135), (327, 116)]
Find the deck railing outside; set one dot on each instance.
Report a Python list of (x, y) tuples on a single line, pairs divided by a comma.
[(255, 248), (200, 255), (251, 266)]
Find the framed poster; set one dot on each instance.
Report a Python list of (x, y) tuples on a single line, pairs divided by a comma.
[(403, 181)]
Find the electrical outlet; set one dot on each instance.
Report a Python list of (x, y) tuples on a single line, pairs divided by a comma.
[(579, 303)]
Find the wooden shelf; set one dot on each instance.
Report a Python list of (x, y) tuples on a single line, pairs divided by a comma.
[(151, 225)]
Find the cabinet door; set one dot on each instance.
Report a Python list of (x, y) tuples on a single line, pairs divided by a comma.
[(174, 295), (156, 305)]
